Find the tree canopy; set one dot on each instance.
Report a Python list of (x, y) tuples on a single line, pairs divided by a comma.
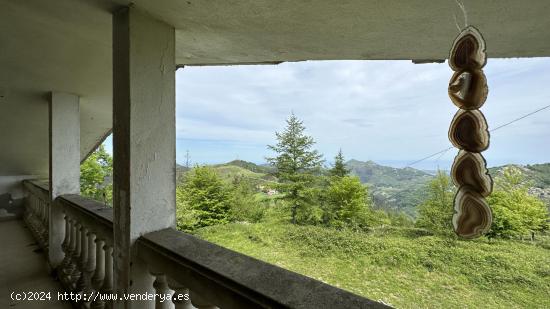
[(516, 213), (339, 168), (204, 199), (436, 212), (96, 176), (295, 165)]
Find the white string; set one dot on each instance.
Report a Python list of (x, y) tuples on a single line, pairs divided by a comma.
[(464, 14), (456, 23)]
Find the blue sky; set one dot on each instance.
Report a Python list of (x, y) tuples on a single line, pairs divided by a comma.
[(391, 112)]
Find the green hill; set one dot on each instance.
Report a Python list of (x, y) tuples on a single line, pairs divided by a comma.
[(537, 175), (398, 189), (253, 167), (401, 189), (228, 171), (400, 267)]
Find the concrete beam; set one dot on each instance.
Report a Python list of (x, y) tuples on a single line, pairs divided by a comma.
[(143, 139), (64, 152)]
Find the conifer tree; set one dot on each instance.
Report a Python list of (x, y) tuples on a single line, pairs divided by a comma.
[(339, 168), (295, 165)]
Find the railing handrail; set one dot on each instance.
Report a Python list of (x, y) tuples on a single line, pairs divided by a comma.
[(37, 187), (90, 212), (234, 280), (225, 278)]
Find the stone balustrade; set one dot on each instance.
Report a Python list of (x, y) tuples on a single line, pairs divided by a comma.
[(196, 273), (216, 277), (37, 209), (88, 247)]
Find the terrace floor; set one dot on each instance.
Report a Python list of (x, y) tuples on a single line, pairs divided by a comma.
[(23, 268)]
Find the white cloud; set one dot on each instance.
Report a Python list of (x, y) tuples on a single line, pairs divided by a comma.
[(380, 110)]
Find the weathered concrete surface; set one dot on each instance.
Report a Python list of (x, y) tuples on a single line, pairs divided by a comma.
[(233, 280), (143, 139), (289, 30), (45, 48), (62, 46), (64, 112), (23, 268)]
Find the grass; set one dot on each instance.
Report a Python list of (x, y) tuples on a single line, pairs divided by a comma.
[(401, 267)]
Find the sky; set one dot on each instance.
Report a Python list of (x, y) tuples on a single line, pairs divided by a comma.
[(391, 112)]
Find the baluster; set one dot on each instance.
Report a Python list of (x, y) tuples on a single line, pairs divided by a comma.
[(97, 279), (43, 223), (75, 275), (180, 298), (107, 283), (199, 302), (32, 216), (107, 287), (91, 265), (161, 288), (83, 260), (47, 221), (66, 266), (99, 273), (72, 251), (64, 247)]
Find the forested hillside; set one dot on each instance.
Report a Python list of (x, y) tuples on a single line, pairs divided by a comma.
[(375, 230), (395, 189)]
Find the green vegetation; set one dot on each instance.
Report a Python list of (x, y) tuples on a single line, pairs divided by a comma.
[(515, 212), (381, 232), (295, 166), (396, 189), (95, 176), (402, 267), (381, 252), (339, 168), (436, 213), (203, 199), (347, 203)]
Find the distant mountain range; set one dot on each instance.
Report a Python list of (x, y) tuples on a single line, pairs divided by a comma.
[(402, 189), (398, 189)]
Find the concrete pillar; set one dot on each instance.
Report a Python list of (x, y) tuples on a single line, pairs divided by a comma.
[(64, 112), (143, 140)]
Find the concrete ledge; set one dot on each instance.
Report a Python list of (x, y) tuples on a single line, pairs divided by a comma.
[(90, 213), (229, 279), (38, 188)]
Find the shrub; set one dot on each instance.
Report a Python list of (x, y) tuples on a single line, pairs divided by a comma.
[(243, 202), (202, 200)]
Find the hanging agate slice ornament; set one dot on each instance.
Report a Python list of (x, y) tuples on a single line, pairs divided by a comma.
[(468, 132)]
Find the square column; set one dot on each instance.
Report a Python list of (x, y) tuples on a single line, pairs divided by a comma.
[(64, 114), (143, 140)]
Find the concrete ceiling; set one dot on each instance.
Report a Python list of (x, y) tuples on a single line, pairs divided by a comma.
[(290, 30), (61, 45), (65, 45)]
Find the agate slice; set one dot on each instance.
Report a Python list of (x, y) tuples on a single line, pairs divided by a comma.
[(468, 131), (470, 169), (468, 89), (468, 51), (472, 216)]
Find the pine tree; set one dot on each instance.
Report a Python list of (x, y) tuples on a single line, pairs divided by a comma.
[(295, 164), (339, 168)]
